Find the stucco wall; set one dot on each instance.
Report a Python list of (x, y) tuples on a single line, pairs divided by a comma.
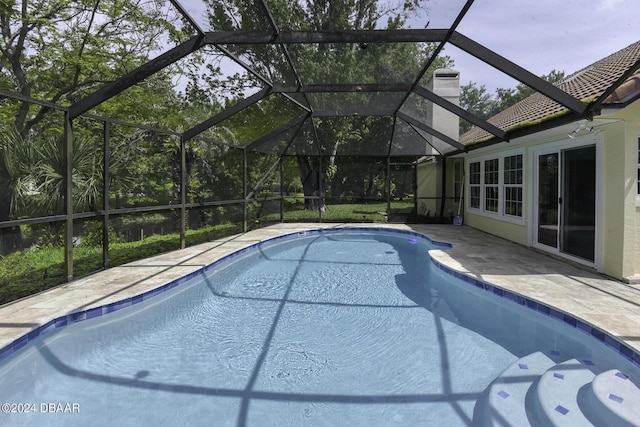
[(506, 230), (615, 260), (622, 213)]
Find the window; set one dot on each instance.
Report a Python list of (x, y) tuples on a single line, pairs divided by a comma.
[(513, 185), (474, 185), (496, 185), (491, 192)]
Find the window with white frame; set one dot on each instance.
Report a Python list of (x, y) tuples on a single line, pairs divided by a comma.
[(513, 185), (496, 185), (474, 185), (491, 188)]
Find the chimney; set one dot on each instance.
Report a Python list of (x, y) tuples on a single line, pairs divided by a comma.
[(445, 82)]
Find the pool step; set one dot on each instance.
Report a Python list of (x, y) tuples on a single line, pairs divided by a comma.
[(504, 398), (554, 397), (612, 399), (536, 391)]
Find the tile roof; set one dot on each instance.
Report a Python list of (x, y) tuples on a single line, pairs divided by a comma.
[(586, 85)]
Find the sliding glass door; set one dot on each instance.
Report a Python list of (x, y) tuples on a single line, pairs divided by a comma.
[(566, 191)]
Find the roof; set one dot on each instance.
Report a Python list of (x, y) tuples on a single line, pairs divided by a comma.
[(587, 85)]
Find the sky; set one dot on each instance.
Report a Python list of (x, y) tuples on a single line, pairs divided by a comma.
[(543, 35)]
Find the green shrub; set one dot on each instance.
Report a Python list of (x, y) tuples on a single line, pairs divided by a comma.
[(29, 272)]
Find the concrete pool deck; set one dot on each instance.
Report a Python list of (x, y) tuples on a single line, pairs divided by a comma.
[(598, 301)]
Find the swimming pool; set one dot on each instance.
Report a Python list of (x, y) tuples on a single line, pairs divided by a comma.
[(313, 330)]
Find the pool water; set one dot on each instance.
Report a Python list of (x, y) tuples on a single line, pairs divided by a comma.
[(325, 329)]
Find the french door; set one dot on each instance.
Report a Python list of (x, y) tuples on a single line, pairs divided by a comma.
[(566, 208)]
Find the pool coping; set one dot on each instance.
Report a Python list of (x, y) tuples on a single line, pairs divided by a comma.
[(442, 256)]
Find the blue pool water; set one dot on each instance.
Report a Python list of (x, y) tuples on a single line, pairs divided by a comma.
[(325, 329)]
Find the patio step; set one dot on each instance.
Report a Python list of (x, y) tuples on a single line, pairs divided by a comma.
[(503, 401), (612, 399)]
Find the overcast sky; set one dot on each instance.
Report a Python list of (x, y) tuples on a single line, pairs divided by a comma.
[(542, 35)]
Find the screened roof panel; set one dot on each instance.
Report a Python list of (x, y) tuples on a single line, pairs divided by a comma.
[(226, 16), (344, 63), (415, 106), (407, 142), (196, 11), (304, 142), (211, 80), (436, 146), (373, 103), (278, 141), (300, 99), (223, 78), (435, 14), (484, 73), (355, 136), (267, 60), (255, 121)]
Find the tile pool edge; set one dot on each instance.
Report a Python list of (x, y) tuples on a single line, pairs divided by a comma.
[(80, 315), (603, 337)]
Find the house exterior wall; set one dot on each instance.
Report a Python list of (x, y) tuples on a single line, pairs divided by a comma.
[(616, 254), (617, 201), (622, 163)]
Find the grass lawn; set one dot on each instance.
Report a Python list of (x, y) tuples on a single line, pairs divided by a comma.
[(352, 212)]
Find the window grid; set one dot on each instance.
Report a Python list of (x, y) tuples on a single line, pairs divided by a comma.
[(474, 185), (513, 201), (491, 198), (491, 171), (513, 185), (491, 189)]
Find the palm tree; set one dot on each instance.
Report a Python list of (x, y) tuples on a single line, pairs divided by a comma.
[(17, 161), (32, 177), (87, 174)]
